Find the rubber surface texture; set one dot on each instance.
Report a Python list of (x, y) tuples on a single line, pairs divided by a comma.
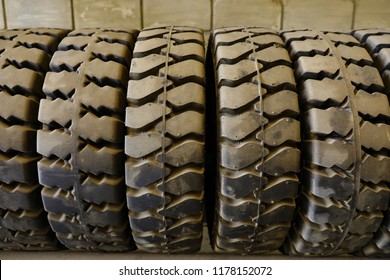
[(258, 136), (165, 140), (345, 165), (82, 140), (377, 43), (24, 61)]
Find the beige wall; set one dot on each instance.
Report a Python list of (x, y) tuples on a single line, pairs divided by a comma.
[(206, 14)]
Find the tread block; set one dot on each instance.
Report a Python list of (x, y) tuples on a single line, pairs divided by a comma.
[(375, 136), (231, 73), (18, 106), (327, 121), (112, 74), (102, 99), (284, 101), (308, 47), (186, 206), (23, 220), (102, 189), (19, 138), (373, 198), (281, 161), (146, 88), (327, 183), (145, 202), (324, 211), (277, 133), (330, 153), (60, 84), (20, 168), (237, 127), (20, 196), (183, 182), (239, 185), (375, 169), (237, 97), (139, 117), (365, 76), (55, 111), (187, 94), (22, 81), (189, 122), (372, 105), (271, 54), (146, 66), (106, 215), (141, 145), (240, 156), (54, 143), (184, 153), (101, 160), (135, 178), (56, 173), (282, 188), (58, 201), (318, 92), (106, 128), (312, 66), (69, 60)]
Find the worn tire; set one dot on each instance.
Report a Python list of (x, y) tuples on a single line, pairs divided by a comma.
[(345, 165), (258, 140), (24, 61), (81, 142), (165, 140), (377, 43)]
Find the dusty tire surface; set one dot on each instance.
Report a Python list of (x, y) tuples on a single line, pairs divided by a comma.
[(24, 61), (165, 140), (345, 163), (258, 136), (377, 43), (81, 141)]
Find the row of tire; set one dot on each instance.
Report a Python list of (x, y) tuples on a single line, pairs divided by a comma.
[(282, 139)]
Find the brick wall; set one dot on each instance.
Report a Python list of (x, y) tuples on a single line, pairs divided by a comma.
[(206, 14)]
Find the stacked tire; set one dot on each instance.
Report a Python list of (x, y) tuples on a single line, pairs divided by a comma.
[(113, 140), (24, 61)]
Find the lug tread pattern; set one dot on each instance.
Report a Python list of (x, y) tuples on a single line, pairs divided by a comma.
[(166, 213), (377, 43), (82, 140), (246, 222), (24, 61), (329, 147)]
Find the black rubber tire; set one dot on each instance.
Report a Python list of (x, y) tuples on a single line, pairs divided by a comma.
[(24, 61), (377, 43), (344, 109), (258, 140), (165, 140), (82, 140)]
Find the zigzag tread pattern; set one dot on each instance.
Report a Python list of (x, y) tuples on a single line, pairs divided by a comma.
[(332, 219), (257, 140), (165, 140), (377, 43), (24, 61), (82, 140)]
